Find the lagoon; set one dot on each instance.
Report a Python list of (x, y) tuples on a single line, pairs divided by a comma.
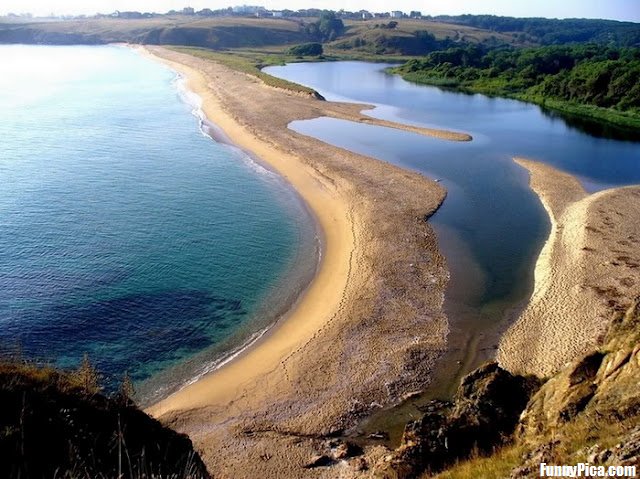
[(492, 226)]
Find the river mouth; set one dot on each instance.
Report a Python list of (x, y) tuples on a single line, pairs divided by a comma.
[(491, 226)]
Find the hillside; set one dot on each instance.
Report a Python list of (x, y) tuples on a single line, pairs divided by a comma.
[(56, 424), (589, 412), (375, 36), (410, 36), (587, 79), (502, 425), (552, 31), (215, 33)]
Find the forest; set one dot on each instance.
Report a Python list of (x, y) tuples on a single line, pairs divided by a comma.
[(552, 31), (588, 79)]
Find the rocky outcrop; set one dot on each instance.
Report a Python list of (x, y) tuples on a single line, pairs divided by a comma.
[(482, 416), (589, 411), (603, 384)]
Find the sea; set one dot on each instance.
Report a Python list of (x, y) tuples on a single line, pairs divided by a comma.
[(127, 233)]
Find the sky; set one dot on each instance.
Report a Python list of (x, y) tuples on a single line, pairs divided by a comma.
[(613, 9)]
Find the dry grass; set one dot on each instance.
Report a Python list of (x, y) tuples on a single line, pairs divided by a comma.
[(496, 466), (408, 27)]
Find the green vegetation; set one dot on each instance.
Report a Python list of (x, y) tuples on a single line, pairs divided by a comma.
[(587, 80), (250, 63), (56, 423), (306, 49), (327, 28), (551, 31)]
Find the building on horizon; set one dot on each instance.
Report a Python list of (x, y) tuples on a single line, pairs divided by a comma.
[(249, 10)]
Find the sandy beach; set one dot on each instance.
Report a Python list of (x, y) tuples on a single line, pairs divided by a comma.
[(370, 327), (588, 269)]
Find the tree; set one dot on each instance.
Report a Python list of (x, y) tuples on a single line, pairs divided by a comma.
[(329, 26), (306, 49)]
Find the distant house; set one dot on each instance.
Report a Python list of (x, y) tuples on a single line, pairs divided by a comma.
[(188, 11), (366, 15), (127, 15), (277, 14), (248, 10), (415, 14), (396, 14)]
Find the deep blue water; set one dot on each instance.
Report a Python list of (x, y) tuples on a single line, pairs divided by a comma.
[(491, 226), (125, 232)]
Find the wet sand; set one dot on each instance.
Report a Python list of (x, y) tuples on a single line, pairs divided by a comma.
[(588, 269), (370, 327)]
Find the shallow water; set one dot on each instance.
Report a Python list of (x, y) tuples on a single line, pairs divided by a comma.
[(126, 233), (491, 226)]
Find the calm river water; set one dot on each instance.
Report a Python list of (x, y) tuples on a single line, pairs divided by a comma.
[(492, 226)]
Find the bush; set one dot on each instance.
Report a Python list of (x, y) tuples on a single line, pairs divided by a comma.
[(306, 49)]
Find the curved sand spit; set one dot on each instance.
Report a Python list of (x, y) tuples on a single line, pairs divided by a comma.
[(589, 267), (370, 326)]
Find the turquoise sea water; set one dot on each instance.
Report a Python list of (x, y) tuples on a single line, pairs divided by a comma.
[(125, 232)]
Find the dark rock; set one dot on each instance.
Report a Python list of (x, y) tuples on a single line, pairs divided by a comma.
[(586, 369), (347, 449), (319, 460), (484, 414)]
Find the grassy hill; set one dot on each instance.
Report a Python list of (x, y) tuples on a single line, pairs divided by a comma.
[(406, 36), (215, 33), (503, 426)]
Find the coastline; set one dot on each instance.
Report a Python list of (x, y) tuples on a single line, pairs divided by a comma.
[(370, 327), (278, 301), (336, 247), (587, 270)]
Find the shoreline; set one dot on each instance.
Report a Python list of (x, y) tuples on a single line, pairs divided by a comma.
[(164, 383), (326, 266), (586, 270), (370, 327)]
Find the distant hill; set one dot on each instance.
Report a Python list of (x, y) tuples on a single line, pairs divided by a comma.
[(215, 33), (551, 31), (411, 36), (375, 36)]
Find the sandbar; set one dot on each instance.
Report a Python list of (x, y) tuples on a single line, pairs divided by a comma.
[(368, 330), (588, 269)]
